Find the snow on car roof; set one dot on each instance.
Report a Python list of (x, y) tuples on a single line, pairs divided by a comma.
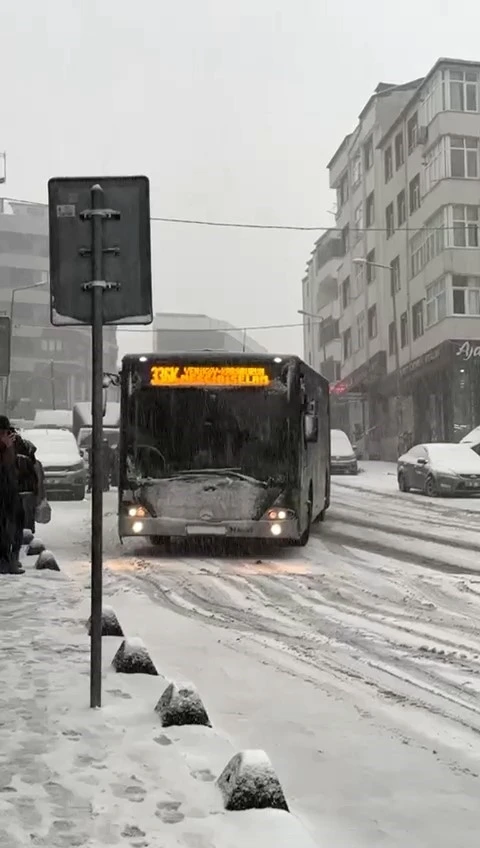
[(444, 449)]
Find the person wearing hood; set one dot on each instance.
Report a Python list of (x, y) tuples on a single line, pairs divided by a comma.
[(18, 494)]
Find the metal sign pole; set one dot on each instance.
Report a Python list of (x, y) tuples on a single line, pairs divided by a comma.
[(85, 246), (97, 287)]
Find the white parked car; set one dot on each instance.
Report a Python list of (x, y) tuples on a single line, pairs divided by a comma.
[(65, 471), (342, 454), (440, 469)]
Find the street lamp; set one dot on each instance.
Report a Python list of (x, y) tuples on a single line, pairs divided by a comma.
[(12, 307), (398, 399), (321, 322)]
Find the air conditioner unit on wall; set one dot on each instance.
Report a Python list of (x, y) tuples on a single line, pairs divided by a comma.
[(422, 135)]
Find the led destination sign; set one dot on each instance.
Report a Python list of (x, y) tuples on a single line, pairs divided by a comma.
[(208, 375)]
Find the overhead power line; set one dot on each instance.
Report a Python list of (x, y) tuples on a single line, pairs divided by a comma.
[(313, 319), (247, 226), (244, 225)]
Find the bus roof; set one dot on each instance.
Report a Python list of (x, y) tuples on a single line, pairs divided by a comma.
[(178, 357), (208, 356)]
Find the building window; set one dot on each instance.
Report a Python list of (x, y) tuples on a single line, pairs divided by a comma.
[(346, 295), (436, 302), (372, 322), (463, 156), (361, 331), (428, 242), (412, 132), (368, 154), (390, 220), (435, 169), (346, 238), (370, 210), (414, 194), (388, 164), (403, 330), (395, 275), (356, 170), (342, 192), (359, 279), (465, 226), (417, 319), (463, 91), (466, 295), (399, 151), (358, 220), (370, 266), (431, 100), (392, 339), (401, 210), (347, 344), (328, 331)]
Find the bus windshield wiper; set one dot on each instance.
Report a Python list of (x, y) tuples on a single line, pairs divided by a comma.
[(221, 472)]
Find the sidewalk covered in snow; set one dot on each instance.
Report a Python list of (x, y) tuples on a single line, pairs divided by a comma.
[(72, 776)]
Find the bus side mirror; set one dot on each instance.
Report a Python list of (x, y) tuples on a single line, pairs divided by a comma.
[(310, 425)]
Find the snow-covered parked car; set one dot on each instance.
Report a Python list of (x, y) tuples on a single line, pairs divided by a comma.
[(342, 454), (65, 470), (440, 469)]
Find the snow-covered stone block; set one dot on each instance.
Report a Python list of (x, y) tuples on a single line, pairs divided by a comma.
[(46, 561), (110, 623), (132, 657), (181, 704), (249, 782), (35, 547), (27, 537)]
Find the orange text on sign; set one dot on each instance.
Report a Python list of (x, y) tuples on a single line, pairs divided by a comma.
[(199, 375)]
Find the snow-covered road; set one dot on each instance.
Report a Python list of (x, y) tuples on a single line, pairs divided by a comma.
[(355, 662)]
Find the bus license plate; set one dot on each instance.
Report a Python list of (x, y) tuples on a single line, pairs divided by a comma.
[(206, 530)]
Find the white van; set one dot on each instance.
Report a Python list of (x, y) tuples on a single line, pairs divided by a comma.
[(53, 419), (342, 455)]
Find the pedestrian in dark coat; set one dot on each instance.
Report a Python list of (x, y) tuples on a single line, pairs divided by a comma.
[(11, 507)]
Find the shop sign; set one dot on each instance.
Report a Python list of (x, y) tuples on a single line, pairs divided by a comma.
[(421, 361), (368, 373), (469, 350)]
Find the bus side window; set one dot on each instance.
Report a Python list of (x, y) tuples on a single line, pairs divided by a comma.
[(310, 422)]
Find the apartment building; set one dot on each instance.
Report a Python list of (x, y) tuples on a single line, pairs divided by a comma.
[(50, 366), (408, 205)]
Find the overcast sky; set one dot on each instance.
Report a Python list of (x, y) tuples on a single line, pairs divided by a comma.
[(232, 109)]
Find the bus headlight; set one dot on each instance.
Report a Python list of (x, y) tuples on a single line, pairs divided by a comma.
[(276, 529), (137, 526), (137, 512), (280, 514)]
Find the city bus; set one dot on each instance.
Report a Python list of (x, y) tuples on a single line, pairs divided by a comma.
[(215, 444)]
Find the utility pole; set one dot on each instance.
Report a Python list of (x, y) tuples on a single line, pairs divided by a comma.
[(398, 385), (321, 334)]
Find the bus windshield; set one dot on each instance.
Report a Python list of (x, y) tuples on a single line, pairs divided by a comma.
[(176, 431)]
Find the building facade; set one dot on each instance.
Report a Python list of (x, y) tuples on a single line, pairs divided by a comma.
[(50, 366), (408, 282), (176, 331)]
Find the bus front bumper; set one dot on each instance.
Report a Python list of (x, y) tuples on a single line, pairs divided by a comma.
[(173, 527)]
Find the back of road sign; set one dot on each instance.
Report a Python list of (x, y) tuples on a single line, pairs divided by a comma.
[(126, 250)]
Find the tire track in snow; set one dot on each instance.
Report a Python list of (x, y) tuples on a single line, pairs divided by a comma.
[(369, 622)]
